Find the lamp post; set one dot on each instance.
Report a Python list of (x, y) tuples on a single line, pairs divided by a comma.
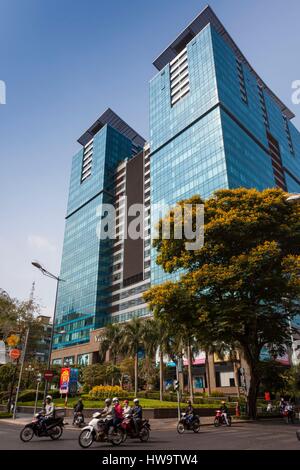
[(58, 280)]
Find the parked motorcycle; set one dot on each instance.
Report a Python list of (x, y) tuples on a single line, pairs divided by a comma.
[(53, 429), (98, 430), (187, 424), (78, 419), (220, 419), (128, 428)]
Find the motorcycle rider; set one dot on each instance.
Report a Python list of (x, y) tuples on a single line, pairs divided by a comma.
[(117, 412), (78, 408), (137, 414), (225, 412), (126, 408), (48, 413), (190, 412), (282, 405), (107, 413), (289, 409)]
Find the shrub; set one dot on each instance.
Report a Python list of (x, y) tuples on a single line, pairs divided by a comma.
[(4, 415), (29, 395), (104, 391)]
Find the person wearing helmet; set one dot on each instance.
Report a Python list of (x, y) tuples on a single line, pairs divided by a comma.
[(137, 414), (189, 411), (107, 410), (126, 408), (117, 412), (224, 410), (49, 411), (78, 409)]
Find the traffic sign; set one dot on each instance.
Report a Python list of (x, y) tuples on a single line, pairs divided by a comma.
[(48, 375), (14, 354)]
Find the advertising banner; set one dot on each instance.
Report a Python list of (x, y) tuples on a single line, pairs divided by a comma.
[(64, 380)]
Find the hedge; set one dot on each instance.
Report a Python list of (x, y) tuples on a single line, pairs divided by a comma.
[(5, 415), (29, 395)]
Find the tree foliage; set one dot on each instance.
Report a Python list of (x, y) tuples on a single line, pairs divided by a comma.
[(235, 288)]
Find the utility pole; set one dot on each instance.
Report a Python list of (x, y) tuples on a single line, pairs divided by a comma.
[(20, 374)]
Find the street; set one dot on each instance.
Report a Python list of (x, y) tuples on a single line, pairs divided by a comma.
[(265, 435)]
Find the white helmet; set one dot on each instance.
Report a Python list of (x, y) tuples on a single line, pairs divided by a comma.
[(115, 400), (48, 397), (108, 401), (136, 400)]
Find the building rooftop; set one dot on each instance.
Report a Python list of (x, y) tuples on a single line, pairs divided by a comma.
[(112, 119), (205, 17)]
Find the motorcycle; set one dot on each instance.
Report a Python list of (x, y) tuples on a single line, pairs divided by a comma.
[(187, 424), (53, 429), (289, 415), (98, 430), (128, 428), (78, 419), (220, 419)]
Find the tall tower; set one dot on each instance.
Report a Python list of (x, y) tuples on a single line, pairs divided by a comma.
[(214, 123), (86, 267)]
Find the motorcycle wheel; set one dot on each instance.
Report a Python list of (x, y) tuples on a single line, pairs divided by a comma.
[(144, 435), (26, 434), (85, 438), (116, 437), (216, 422), (56, 433), (196, 427), (180, 428)]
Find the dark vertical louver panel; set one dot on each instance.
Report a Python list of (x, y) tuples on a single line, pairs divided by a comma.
[(133, 263), (276, 162)]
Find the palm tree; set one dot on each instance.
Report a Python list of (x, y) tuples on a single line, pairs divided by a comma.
[(156, 337), (110, 341), (132, 340)]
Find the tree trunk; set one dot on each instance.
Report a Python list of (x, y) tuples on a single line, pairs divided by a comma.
[(207, 373), (161, 375), (236, 378), (136, 364), (252, 394), (190, 365)]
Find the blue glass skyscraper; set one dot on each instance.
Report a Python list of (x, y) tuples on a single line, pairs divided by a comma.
[(214, 123), (86, 267)]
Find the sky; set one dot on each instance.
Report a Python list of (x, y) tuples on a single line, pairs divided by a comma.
[(64, 62)]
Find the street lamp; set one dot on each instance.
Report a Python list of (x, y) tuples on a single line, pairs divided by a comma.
[(44, 271), (293, 198)]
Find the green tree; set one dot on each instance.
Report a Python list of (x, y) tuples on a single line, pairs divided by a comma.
[(132, 342), (240, 279), (94, 374), (111, 340)]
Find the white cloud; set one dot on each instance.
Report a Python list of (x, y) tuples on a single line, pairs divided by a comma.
[(41, 243)]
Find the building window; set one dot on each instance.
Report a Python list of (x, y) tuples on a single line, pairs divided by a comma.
[(179, 77), (263, 106), (242, 83), (288, 134), (69, 361), (83, 359), (87, 159), (57, 362)]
